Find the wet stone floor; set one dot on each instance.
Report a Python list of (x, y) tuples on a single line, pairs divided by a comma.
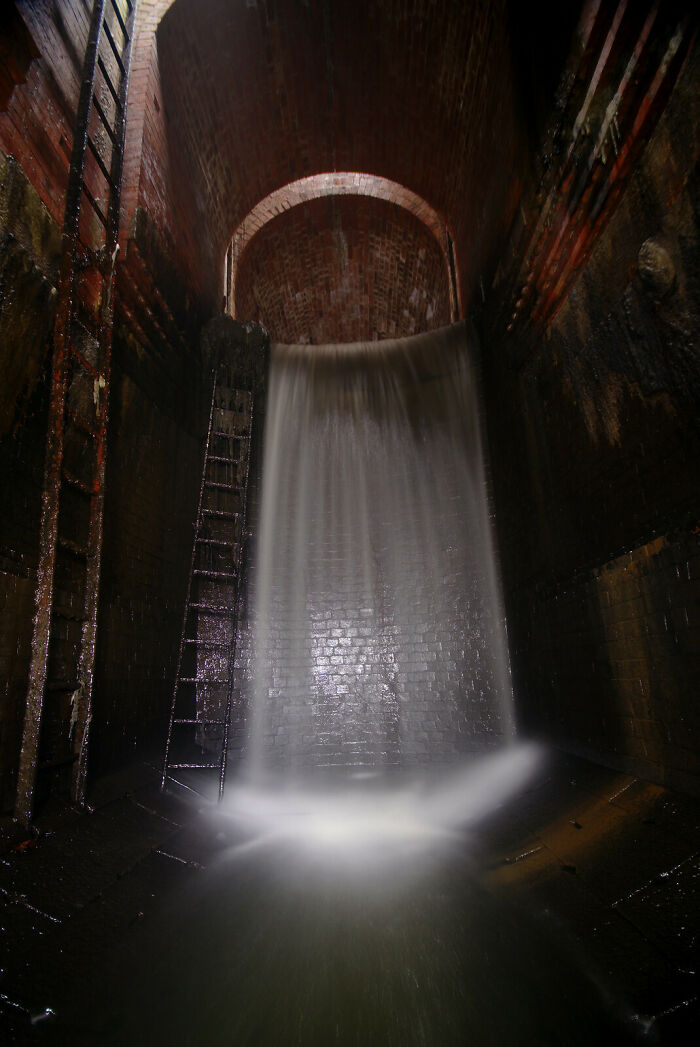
[(566, 916)]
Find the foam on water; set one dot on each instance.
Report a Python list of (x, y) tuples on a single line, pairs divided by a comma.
[(370, 822)]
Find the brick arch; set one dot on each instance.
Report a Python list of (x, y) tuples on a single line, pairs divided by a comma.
[(229, 102), (340, 183), (343, 268)]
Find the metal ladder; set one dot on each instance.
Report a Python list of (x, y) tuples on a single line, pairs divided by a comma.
[(204, 678), (59, 697)]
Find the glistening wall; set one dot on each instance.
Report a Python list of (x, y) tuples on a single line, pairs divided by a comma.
[(155, 424), (595, 441)]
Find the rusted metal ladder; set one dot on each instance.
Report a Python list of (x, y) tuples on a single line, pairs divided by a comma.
[(59, 698), (204, 679)]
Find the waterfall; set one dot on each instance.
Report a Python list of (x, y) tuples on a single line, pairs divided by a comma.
[(378, 632)]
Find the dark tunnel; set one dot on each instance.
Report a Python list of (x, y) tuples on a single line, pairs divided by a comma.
[(350, 550)]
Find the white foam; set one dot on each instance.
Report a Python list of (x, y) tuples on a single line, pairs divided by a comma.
[(371, 824)]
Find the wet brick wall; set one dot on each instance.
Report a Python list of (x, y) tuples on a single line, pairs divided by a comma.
[(154, 438), (29, 252), (154, 460), (153, 480), (156, 186), (343, 269), (595, 445), (36, 127)]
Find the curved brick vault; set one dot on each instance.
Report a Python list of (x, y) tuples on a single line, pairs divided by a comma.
[(347, 183), (230, 102), (343, 268)]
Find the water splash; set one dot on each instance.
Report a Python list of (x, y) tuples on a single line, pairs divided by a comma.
[(369, 819), (378, 632)]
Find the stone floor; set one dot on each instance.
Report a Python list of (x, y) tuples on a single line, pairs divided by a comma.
[(606, 863)]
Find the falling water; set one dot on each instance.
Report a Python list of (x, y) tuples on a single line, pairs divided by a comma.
[(378, 632), (356, 909)]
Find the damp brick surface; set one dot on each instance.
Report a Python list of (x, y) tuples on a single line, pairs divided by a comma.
[(593, 430)]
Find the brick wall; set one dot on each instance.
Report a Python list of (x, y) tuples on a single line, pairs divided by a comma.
[(345, 268), (29, 253), (156, 182), (37, 126), (594, 437), (154, 435), (630, 670), (153, 480), (256, 96)]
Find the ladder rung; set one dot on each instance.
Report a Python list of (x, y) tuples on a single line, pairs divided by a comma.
[(110, 86), (222, 458), (222, 487), (213, 644), (94, 204), (231, 391), (203, 723), (216, 541), (221, 514), (229, 436), (119, 17), (194, 766), (60, 761), (209, 609), (62, 685), (78, 485), (224, 575), (103, 117), (201, 679), (72, 547), (115, 49), (68, 614), (101, 164)]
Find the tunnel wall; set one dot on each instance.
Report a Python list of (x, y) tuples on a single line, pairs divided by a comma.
[(234, 111), (29, 253), (159, 400), (157, 190), (38, 112), (154, 436), (595, 441)]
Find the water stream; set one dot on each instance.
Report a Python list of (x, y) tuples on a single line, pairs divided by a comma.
[(346, 904), (378, 632)]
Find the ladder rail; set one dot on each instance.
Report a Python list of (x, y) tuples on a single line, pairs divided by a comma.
[(230, 610), (189, 584), (86, 660), (62, 355), (237, 611), (48, 528)]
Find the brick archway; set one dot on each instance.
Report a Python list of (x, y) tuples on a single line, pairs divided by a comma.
[(340, 183)]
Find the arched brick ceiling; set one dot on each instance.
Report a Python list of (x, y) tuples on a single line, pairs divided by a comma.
[(345, 269), (261, 93), (342, 183)]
